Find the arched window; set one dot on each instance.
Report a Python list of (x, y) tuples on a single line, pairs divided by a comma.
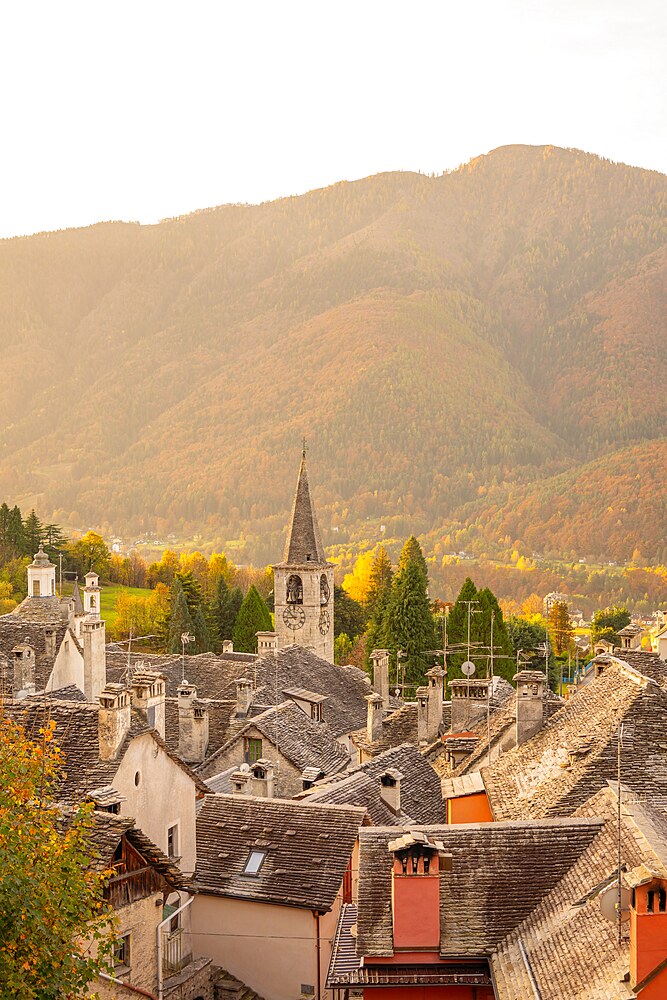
[(325, 592), (92, 600), (294, 590)]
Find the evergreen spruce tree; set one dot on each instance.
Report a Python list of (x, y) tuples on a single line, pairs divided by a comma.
[(503, 650), (457, 627), (16, 535), (201, 633), (410, 620), (224, 609), (412, 553), (253, 617), (180, 620), (381, 576), (33, 533)]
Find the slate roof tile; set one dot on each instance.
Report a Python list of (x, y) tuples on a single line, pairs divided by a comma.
[(308, 848)]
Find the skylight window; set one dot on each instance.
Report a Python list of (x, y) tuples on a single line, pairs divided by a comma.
[(254, 862)]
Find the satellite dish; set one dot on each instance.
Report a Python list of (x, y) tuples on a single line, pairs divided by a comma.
[(609, 899), (468, 668), (397, 691)]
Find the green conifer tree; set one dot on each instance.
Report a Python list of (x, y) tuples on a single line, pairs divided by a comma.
[(33, 533), (457, 627), (381, 576), (253, 617), (410, 620), (412, 553), (503, 650)]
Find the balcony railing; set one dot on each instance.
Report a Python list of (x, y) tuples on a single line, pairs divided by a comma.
[(132, 886), (174, 955)]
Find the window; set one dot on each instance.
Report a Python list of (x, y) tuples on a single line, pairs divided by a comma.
[(172, 841), (35, 588), (254, 862), (252, 750), (92, 600), (121, 951)]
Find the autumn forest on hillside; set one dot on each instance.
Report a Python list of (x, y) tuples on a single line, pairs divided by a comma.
[(475, 358)]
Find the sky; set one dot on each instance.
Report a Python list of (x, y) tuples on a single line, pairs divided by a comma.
[(146, 110)]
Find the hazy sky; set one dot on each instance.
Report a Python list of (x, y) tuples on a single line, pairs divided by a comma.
[(142, 110)]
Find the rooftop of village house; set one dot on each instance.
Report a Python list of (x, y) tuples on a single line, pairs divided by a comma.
[(302, 851)]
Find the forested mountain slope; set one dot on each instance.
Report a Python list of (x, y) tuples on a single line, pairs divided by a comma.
[(482, 348)]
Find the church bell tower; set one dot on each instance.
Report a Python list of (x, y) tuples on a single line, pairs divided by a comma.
[(303, 582)]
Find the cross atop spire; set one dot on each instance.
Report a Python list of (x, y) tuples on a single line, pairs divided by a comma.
[(304, 543)]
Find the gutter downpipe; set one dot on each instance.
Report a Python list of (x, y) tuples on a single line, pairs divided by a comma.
[(160, 975), (128, 986), (319, 960)]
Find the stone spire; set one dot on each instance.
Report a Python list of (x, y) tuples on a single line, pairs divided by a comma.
[(304, 543)]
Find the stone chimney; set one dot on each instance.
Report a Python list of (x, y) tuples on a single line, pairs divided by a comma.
[(422, 715), (148, 697), (469, 703), (267, 643), (113, 720), (261, 783), (93, 636), (243, 697), (227, 646), (50, 643), (24, 669), (435, 700), (390, 789), (241, 780), (529, 703), (192, 724), (380, 661), (374, 717)]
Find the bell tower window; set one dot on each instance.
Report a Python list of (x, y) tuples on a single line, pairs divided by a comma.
[(325, 592), (294, 590)]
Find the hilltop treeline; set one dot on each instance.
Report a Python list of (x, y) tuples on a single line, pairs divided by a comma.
[(476, 353)]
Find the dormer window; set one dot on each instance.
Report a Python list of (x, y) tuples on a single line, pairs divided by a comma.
[(254, 862)]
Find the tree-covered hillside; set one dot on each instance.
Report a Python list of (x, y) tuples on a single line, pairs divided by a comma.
[(482, 348)]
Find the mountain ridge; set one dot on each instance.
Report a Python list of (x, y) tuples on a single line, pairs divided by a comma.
[(435, 338)]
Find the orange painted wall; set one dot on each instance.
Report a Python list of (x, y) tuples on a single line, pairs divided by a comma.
[(416, 909), (469, 809), (648, 948)]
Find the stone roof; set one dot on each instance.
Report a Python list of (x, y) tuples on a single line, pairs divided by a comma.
[(421, 797), (76, 734), (572, 950), (77, 603), (574, 754), (221, 715), (46, 610), (304, 543), (300, 740), (398, 727), (30, 629), (308, 848), (293, 667), (499, 873)]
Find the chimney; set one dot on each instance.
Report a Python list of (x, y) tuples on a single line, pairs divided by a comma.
[(243, 697), (24, 669), (50, 643), (113, 720), (390, 789), (148, 697), (380, 661), (93, 634), (529, 704), (241, 780), (228, 646), (415, 892), (435, 700), (192, 724), (267, 643), (648, 929), (261, 783), (422, 715), (469, 703), (309, 776), (374, 717)]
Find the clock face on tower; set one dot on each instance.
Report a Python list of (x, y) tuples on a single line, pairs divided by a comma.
[(294, 617), (325, 621)]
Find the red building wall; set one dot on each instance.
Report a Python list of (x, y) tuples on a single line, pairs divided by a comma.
[(469, 809)]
